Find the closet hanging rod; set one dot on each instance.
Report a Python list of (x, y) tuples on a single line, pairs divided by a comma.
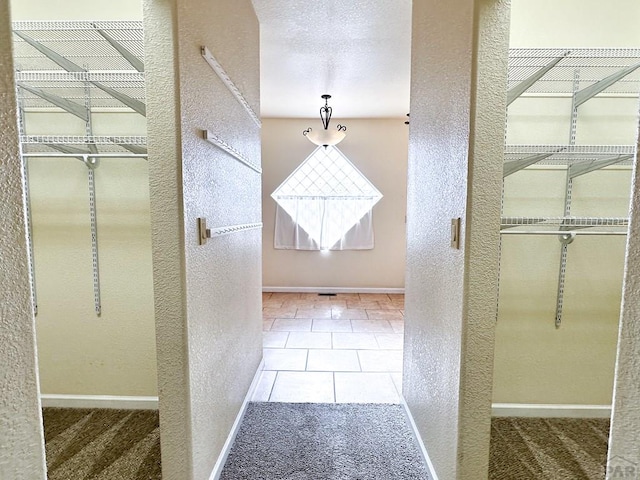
[(557, 232)]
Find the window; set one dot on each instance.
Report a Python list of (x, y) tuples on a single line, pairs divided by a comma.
[(325, 204)]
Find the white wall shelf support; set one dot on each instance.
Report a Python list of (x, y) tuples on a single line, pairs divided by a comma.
[(598, 87), (68, 65), (577, 169), (94, 240), (218, 142), (67, 105), (132, 103), (136, 149), (215, 65), (131, 58), (27, 206), (514, 166), (69, 149), (229, 229)]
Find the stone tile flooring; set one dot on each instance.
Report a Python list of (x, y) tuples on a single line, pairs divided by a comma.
[(332, 349)]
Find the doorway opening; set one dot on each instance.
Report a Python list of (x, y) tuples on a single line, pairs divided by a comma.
[(571, 143)]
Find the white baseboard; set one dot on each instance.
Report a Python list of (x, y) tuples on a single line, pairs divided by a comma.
[(99, 401), (331, 290), (224, 453), (416, 435), (550, 410)]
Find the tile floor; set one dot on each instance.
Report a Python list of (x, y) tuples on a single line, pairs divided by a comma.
[(332, 349)]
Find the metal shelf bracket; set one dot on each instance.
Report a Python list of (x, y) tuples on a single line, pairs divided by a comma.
[(514, 166), (522, 87), (68, 106), (130, 57), (576, 169), (591, 91), (69, 66)]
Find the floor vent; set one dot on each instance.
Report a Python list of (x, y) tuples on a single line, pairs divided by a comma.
[(327, 294)]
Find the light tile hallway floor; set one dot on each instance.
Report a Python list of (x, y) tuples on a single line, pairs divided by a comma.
[(332, 349)]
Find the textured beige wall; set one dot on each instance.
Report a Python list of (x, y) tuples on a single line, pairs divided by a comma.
[(574, 23), (207, 298), (21, 437), (76, 10), (455, 161), (378, 148)]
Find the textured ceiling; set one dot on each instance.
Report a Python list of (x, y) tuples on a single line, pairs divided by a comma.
[(357, 51)]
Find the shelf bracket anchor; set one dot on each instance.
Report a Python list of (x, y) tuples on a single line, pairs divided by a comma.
[(128, 56), (67, 105), (137, 149), (68, 65), (132, 103), (591, 91), (517, 165), (575, 170), (523, 86), (203, 232), (567, 238)]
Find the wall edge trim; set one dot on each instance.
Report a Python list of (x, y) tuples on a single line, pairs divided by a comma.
[(226, 448), (124, 402), (550, 410), (395, 290), (416, 435)]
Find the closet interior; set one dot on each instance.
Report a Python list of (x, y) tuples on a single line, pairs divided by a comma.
[(82, 123), (571, 140), (82, 69)]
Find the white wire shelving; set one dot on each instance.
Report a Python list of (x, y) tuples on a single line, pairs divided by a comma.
[(88, 44), (580, 75), (552, 71), (79, 68)]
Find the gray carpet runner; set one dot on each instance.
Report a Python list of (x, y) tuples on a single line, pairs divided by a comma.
[(315, 441)]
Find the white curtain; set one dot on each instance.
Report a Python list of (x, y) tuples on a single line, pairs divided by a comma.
[(324, 223)]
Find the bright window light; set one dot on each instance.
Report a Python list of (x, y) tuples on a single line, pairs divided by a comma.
[(326, 196)]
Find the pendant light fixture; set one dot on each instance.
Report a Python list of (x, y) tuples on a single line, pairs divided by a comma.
[(326, 137)]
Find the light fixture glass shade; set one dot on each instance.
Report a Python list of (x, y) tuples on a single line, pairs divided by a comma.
[(322, 137)]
